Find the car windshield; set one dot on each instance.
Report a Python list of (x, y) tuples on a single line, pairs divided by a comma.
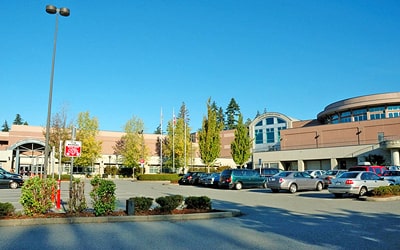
[(331, 172)]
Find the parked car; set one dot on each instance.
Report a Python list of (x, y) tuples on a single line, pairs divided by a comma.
[(392, 176), (9, 174), (10, 181), (394, 168), (187, 178), (331, 174), (268, 172), (241, 178), (316, 173), (203, 178), (376, 169), (294, 181), (213, 180), (195, 180), (356, 182)]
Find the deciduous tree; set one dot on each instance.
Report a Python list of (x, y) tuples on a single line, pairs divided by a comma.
[(209, 137), (241, 145), (87, 130)]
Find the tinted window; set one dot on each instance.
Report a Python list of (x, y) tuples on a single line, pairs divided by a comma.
[(283, 174), (349, 175), (358, 169)]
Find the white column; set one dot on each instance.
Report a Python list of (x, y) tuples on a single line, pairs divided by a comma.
[(334, 163), (300, 165), (395, 157)]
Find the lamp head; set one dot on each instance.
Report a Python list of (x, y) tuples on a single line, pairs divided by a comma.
[(51, 9)]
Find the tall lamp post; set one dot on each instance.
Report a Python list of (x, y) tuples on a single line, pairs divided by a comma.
[(51, 9)]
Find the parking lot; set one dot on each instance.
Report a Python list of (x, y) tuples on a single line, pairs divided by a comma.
[(304, 220)]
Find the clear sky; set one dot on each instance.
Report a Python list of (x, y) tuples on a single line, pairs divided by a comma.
[(124, 58)]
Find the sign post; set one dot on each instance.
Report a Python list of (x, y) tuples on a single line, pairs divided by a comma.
[(72, 149)]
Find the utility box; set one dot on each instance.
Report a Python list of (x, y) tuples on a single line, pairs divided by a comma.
[(130, 207)]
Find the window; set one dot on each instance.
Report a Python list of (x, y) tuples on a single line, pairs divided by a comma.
[(335, 119), (281, 120), (270, 135), (360, 115), (259, 124), (269, 120), (381, 136), (259, 136), (377, 113), (394, 111), (345, 116)]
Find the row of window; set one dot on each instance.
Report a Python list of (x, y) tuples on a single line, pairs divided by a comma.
[(374, 113)]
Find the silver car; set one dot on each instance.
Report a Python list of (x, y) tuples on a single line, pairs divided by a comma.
[(294, 181), (356, 182)]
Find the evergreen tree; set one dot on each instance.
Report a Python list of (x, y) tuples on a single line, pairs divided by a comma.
[(18, 120), (232, 112), (209, 137), (5, 127), (241, 145)]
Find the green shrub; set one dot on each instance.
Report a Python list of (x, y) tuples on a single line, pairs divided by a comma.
[(142, 203), (103, 196), (77, 202), (202, 202), (169, 203), (37, 194), (6, 209), (386, 191)]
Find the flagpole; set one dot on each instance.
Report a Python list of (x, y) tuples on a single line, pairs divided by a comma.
[(161, 141), (173, 140), (184, 123)]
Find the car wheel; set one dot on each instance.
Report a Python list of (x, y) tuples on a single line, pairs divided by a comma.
[(338, 195), (363, 191), (238, 186), (13, 185), (275, 190), (293, 188), (319, 186), (264, 185)]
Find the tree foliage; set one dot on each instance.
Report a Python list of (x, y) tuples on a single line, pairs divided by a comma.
[(131, 145), (60, 131), (87, 130), (241, 145), (232, 112), (209, 136), (177, 144), (5, 127), (19, 121)]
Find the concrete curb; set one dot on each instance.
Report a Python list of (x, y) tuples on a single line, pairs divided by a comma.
[(391, 198), (113, 219)]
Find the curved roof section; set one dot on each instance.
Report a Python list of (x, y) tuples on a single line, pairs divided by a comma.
[(34, 144), (360, 102), (272, 114)]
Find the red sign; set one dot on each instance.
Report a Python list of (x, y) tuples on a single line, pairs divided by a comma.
[(141, 161), (72, 148)]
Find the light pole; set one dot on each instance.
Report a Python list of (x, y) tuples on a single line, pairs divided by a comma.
[(51, 9)]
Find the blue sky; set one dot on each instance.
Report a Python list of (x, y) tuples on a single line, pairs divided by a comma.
[(124, 58)]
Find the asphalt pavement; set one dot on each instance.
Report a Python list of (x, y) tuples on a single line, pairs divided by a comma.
[(305, 220)]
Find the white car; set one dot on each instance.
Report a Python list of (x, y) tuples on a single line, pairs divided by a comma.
[(356, 182)]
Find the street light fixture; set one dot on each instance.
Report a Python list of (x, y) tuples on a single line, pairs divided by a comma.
[(51, 9)]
